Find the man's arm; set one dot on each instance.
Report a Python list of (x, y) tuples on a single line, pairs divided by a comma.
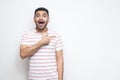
[(27, 51), (60, 64)]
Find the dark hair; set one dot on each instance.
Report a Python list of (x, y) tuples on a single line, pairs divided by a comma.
[(42, 9)]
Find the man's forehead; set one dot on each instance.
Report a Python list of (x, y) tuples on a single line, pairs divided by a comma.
[(42, 12)]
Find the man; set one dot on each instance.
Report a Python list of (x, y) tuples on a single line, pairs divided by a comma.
[(44, 49)]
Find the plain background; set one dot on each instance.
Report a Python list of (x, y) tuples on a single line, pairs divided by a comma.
[(90, 31)]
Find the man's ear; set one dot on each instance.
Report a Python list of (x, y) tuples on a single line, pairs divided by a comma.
[(48, 19), (34, 19)]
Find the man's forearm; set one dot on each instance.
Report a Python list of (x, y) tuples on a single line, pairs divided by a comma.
[(60, 70), (29, 51), (60, 65)]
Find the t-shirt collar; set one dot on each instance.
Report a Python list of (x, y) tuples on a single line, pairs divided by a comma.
[(48, 31)]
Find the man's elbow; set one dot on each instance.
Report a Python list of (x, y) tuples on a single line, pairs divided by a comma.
[(22, 55), (60, 59)]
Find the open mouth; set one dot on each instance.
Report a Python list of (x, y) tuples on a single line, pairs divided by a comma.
[(41, 22)]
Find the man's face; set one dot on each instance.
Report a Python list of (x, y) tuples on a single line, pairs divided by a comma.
[(41, 19)]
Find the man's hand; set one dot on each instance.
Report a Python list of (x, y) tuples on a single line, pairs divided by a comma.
[(46, 39)]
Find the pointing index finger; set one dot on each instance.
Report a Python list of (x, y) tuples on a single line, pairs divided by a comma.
[(52, 36)]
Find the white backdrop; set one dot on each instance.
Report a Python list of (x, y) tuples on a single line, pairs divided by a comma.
[(90, 31)]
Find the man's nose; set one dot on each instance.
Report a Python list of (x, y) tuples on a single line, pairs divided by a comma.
[(40, 17)]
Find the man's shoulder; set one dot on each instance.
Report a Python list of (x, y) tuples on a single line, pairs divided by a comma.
[(29, 32), (53, 33)]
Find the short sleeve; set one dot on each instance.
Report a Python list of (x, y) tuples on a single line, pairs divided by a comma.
[(59, 43), (25, 39)]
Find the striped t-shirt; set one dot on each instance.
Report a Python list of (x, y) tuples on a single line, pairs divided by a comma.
[(42, 65)]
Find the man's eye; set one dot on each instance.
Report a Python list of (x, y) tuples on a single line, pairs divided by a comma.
[(37, 15), (44, 15)]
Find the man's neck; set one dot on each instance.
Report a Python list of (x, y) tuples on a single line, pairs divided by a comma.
[(42, 31)]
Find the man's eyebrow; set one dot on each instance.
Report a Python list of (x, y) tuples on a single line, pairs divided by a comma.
[(45, 13), (37, 14)]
